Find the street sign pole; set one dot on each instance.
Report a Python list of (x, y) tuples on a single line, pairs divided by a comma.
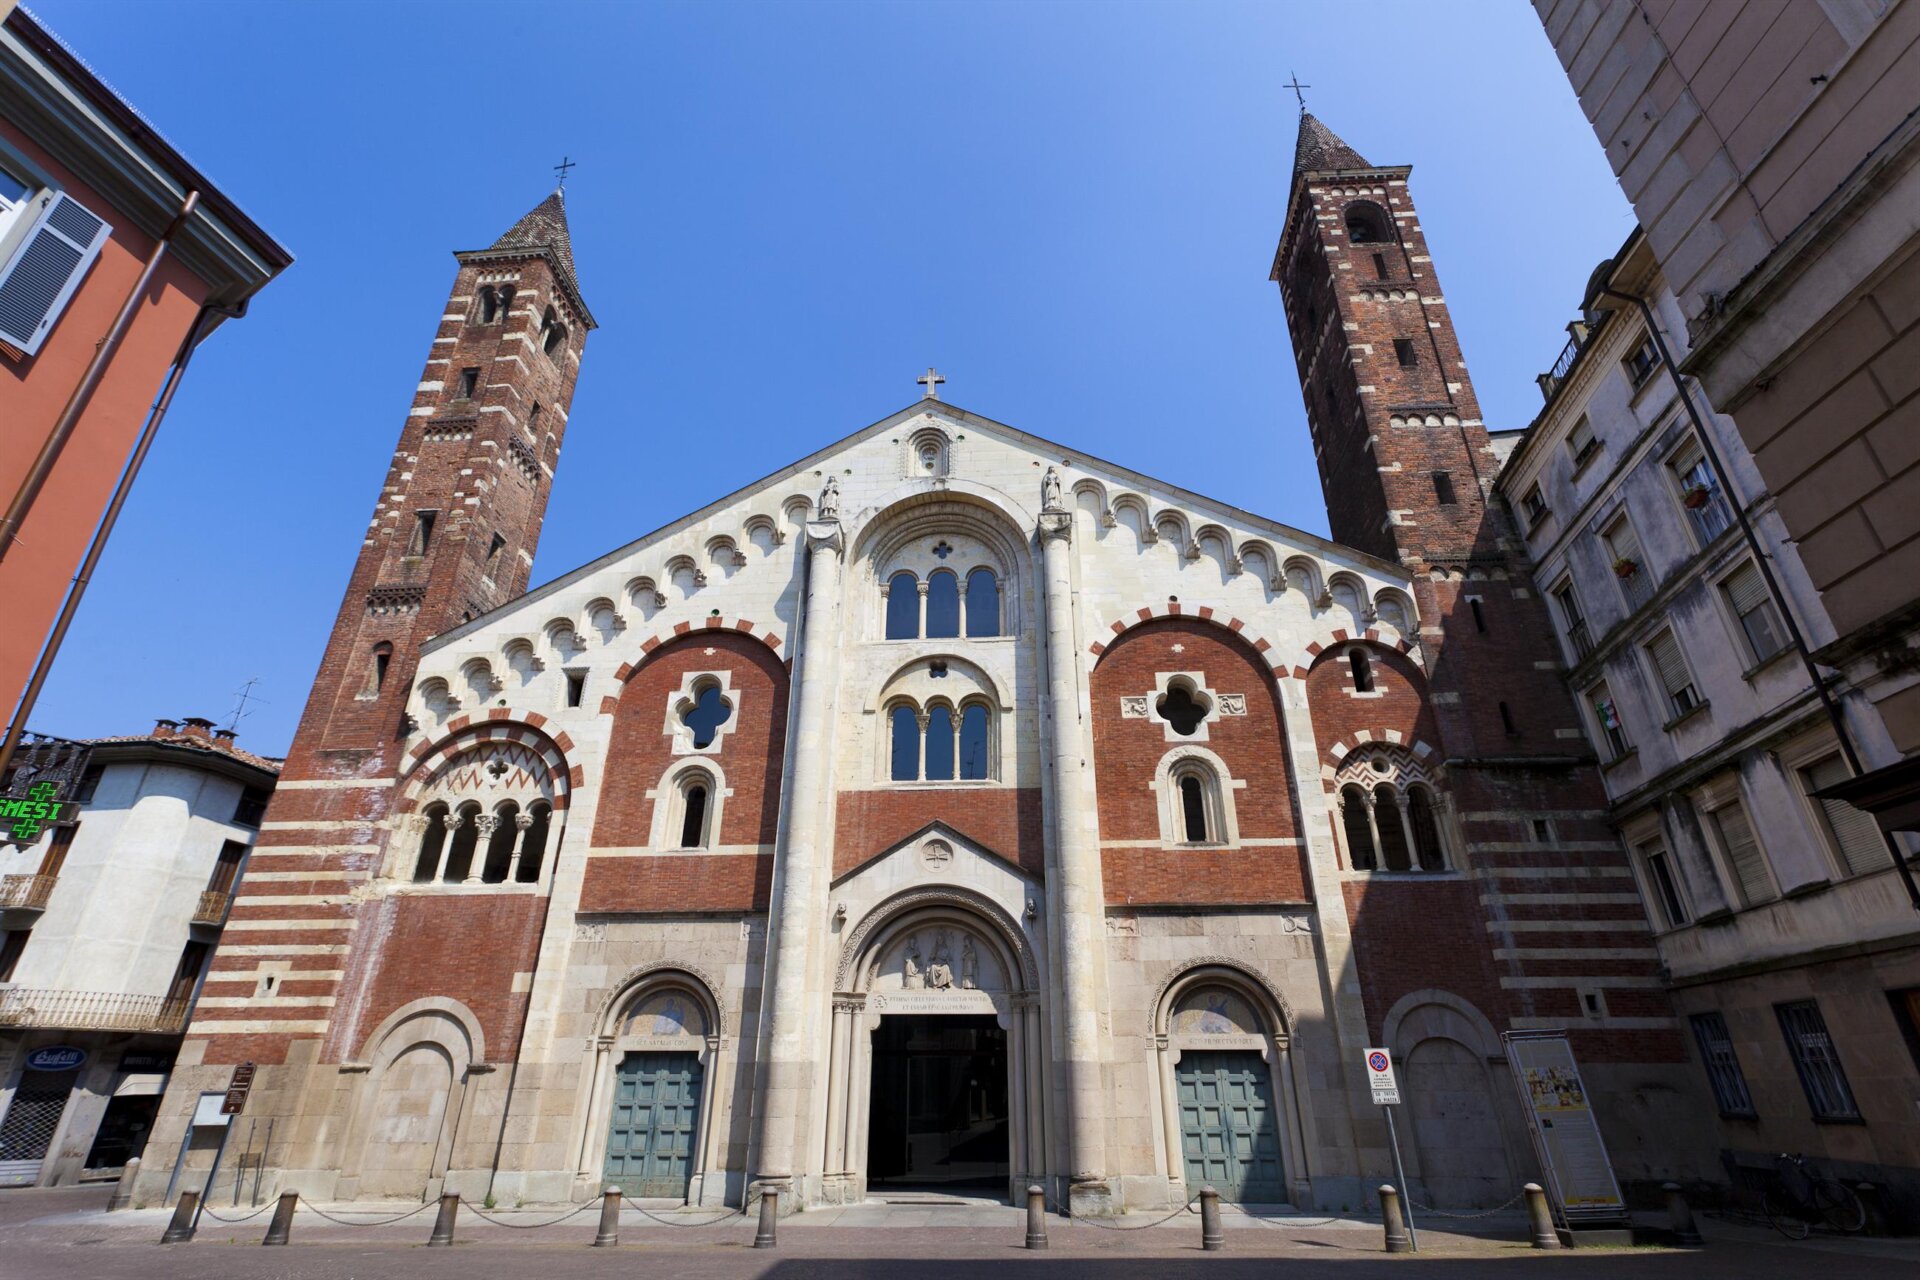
[(1386, 1095), (212, 1173), (1400, 1178)]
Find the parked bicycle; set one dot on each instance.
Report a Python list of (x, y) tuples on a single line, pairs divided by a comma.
[(1800, 1198)]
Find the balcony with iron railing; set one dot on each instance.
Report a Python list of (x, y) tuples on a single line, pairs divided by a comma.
[(90, 1010), (25, 893), (1550, 383), (1582, 642), (212, 908)]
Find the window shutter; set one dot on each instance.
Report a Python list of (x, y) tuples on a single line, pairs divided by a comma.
[(1743, 852), (35, 286), (1626, 544), (1673, 668), (1857, 834), (1745, 590)]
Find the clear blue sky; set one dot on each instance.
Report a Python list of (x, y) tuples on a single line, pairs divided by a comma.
[(783, 212)]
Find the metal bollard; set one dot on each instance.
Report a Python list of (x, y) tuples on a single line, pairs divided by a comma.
[(443, 1220), (609, 1219), (1540, 1218), (1036, 1218), (1680, 1215), (181, 1228), (282, 1225), (769, 1216), (122, 1195), (1210, 1238), (1398, 1241)]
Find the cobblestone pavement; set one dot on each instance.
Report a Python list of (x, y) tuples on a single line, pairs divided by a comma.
[(63, 1232)]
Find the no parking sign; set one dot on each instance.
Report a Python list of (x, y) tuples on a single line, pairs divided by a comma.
[(1386, 1090)]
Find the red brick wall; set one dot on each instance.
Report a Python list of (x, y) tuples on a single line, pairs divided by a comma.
[(639, 755), (1127, 753), (1341, 714), (1005, 821)]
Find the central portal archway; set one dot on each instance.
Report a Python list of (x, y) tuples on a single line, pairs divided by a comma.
[(935, 1074)]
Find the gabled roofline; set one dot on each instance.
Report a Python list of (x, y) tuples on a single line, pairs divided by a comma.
[(1285, 532), (946, 829)]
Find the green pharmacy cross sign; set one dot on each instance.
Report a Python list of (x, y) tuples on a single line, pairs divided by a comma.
[(29, 815)]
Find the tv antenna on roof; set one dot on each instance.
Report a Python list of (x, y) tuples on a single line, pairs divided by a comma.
[(240, 702)]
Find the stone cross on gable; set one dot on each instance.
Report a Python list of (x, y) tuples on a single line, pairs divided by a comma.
[(932, 383)]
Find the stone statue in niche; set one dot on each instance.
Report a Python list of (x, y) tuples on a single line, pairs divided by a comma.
[(830, 499), (1050, 491), (910, 971), (969, 964), (940, 967)]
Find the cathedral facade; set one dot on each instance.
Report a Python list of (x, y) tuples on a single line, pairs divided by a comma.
[(950, 809)]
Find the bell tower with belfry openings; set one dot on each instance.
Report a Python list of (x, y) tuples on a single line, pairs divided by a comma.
[(1407, 470), (452, 536)]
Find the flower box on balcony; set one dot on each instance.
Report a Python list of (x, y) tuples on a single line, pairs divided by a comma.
[(1696, 497), (1625, 568)]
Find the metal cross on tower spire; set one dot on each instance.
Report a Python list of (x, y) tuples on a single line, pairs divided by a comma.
[(561, 169), (1295, 85)]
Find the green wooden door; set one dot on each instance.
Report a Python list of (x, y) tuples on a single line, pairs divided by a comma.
[(1227, 1127), (656, 1115)]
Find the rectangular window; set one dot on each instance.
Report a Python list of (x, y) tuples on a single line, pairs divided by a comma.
[(1403, 352), (1817, 1061), (1574, 621), (1642, 362), (1543, 831), (1443, 488), (469, 383), (1670, 908), (58, 846), (1506, 721), (1906, 1012), (193, 957), (1479, 616), (1671, 664), (12, 943), (41, 277), (1752, 604), (1534, 507), (1629, 563), (422, 533), (252, 807), (1379, 266), (226, 871), (1723, 1065), (1613, 735), (1700, 495), (1582, 443), (576, 687), (1854, 836), (1746, 860), (495, 547)]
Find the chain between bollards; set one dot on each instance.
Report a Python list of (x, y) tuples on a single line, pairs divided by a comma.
[(1211, 1238), (281, 1225), (1398, 1240), (1036, 1217), (1539, 1218), (444, 1220), (181, 1228), (769, 1218), (609, 1219)]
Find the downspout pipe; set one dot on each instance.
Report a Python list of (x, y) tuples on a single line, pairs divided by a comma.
[(63, 427), (1765, 565), (155, 415)]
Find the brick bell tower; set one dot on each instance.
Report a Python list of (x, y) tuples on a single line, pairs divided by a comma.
[(452, 536), (1408, 470), (458, 517)]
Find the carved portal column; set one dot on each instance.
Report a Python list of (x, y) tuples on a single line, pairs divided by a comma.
[(800, 873), (1079, 910)]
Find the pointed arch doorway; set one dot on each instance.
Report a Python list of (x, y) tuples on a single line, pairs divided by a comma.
[(935, 1069)]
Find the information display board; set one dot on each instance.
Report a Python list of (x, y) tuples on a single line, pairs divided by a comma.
[(1566, 1133)]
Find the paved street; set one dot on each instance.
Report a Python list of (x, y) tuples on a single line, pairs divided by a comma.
[(63, 1232)]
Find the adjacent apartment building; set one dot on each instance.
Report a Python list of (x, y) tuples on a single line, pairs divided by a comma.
[(1785, 933), (117, 256), (110, 915), (1772, 153)]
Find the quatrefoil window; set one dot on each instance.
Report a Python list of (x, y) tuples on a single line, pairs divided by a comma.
[(702, 712), (1182, 711), (708, 712)]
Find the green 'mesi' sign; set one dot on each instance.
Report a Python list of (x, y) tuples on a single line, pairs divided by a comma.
[(30, 813)]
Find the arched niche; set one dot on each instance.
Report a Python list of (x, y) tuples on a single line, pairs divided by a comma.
[(410, 1102), (665, 1008), (1214, 1005)]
